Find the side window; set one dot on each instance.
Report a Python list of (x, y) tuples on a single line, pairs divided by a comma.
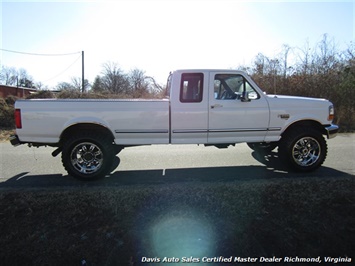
[(252, 94), (191, 88), (232, 86)]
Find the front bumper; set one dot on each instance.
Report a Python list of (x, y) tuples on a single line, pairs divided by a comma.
[(15, 141), (331, 131)]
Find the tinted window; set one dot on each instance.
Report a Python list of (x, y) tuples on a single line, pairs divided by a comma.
[(191, 87)]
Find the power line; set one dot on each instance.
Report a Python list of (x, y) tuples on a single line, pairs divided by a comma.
[(63, 70), (17, 52), (37, 54)]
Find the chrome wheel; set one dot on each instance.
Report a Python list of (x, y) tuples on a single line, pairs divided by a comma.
[(306, 151), (86, 157)]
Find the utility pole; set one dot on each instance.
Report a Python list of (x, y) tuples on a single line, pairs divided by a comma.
[(82, 72)]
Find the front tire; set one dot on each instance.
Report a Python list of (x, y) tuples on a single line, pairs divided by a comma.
[(88, 156), (304, 150)]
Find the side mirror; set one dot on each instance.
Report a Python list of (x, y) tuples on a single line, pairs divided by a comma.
[(252, 95), (248, 96)]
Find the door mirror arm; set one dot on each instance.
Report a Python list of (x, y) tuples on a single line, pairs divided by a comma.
[(244, 97)]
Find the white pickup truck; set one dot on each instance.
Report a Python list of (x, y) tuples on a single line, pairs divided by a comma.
[(210, 107)]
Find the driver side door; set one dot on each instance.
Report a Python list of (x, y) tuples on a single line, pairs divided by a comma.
[(237, 111)]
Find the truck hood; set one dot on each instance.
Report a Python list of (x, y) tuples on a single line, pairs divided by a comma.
[(299, 108), (295, 98), (297, 101)]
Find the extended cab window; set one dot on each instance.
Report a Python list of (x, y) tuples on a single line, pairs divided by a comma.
[(233, 86), (191, 87)]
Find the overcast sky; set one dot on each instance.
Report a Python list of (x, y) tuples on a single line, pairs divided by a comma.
[(162, 35)]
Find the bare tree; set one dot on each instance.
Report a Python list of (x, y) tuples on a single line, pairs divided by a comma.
[(76, 84), (349, 54), (260, 64), (136, 78), (305, 59), (8, 76), (64, 86), (327, 58), (154, 87), (97, 86), (40, 86), (12, 77), (24, 79), (283, 58), (113, 79), (137, 81)]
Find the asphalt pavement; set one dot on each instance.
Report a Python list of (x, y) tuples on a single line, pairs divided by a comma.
[(24, 167)]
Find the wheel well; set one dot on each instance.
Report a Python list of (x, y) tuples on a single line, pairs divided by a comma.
[(73, 129), (306, 123)]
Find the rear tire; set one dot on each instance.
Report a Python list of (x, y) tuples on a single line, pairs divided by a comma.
[(303, 150), (88, 156)]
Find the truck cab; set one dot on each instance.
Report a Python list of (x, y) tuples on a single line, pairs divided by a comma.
[(217, 106)]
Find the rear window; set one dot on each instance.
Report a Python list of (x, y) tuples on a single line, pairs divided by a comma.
[(191, 87)]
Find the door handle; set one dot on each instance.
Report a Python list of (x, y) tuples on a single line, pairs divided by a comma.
[(216, 106)]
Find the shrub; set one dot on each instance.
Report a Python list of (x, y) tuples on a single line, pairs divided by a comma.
[(3, 102), (72, 94), (41, 95), (7, 119), (11, 99)]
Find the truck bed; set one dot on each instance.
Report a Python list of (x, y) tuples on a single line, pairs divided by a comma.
[(131, 121)]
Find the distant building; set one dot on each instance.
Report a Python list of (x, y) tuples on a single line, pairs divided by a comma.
[(21, 92)]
